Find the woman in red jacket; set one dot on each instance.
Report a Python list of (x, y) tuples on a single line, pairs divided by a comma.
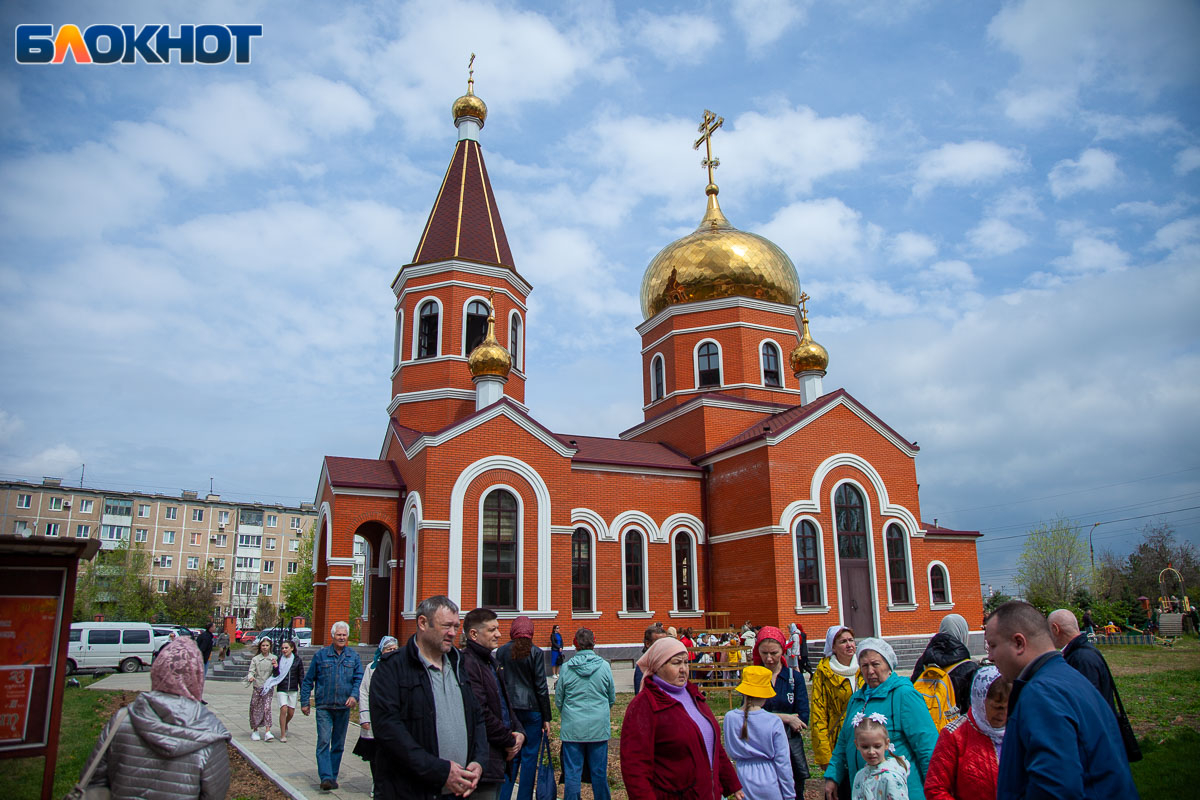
[(670, 740), (967, 757)]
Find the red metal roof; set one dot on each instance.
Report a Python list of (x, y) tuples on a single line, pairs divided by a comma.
[(933, 530), (362, 473), (465, 222), (620, 452)]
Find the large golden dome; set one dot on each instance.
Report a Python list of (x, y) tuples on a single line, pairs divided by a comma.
[(718, 260)]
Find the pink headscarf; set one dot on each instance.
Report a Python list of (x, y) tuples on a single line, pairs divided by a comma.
[(521, 627), (764, 633), (179, 669), (660, 653)]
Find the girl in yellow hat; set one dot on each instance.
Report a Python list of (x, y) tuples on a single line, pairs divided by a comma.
[(756, 741)]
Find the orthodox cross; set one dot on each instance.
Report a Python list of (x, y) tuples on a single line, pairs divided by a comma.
[(708, 127), (471, 72), (804, 298)]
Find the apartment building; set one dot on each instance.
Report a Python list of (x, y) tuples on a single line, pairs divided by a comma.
[(252, 546)]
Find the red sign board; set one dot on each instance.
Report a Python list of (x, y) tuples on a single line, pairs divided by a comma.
[(27, 630), (16, 685)]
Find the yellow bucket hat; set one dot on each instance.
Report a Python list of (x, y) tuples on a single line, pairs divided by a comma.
[(756, 682)]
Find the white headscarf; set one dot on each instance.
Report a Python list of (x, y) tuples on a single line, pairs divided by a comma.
[(983, 681), (847, 670), (956, 626)]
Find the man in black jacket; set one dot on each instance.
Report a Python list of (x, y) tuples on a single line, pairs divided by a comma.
[(430, 737), (1080, 653), (205, 642), (503, 728)]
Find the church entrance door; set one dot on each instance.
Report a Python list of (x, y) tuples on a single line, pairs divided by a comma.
[(854, 566)]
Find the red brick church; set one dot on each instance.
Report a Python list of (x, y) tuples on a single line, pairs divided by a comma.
[(745, 489)]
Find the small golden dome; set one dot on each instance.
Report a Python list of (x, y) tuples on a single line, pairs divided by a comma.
[(469, 105), (809, 356), (490, 357), (718, 260)]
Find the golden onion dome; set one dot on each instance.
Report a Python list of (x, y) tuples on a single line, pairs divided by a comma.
[(809, 356), (490, 357), (469, 105), (718, 260)]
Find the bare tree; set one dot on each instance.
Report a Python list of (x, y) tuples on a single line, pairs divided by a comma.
[(1053, 563)]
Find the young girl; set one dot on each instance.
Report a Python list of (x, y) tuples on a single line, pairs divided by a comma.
[(885, 777), (286, 678), (261, 667), (756, 742)]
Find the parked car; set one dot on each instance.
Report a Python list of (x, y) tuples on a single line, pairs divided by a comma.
[(127, 646), (301, 636), (248, 638), (161, 638)]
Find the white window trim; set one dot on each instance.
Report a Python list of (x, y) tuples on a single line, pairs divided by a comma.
[(837, 558), (675, 611), (762, 367), (55, 499), (625, 613), (86, 506), (929, 584), (662, 360), (696, 365), (517, 353), (594, 539), (398, 340), (822, 606), (462, 338), (408, 531), (28, 498), (520, 598), (416, 326), (892, 605)]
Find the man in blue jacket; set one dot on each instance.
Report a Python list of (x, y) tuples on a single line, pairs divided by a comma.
[(1061, 740), (335, 672)]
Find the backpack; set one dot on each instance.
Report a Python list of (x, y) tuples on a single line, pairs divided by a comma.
[(935, 687)]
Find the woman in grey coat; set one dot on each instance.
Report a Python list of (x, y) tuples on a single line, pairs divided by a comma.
[(169, 746)]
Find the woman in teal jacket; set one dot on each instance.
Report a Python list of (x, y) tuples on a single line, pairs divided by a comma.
[(585, 694), (910, 728)]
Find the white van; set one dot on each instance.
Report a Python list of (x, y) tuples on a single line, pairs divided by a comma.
[(125, 646)]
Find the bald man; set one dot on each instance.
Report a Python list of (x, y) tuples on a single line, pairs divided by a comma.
[(1061, 740), (1080, 653)]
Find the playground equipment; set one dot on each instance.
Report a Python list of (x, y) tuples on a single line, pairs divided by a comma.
[(1173, 604)]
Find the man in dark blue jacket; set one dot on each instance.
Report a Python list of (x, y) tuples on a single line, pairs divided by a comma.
[(1061, 740), (1081, 654)]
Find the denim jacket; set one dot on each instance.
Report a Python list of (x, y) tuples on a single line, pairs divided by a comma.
[(335, 678)]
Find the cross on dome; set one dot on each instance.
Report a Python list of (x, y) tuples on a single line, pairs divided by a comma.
[(707, 128)]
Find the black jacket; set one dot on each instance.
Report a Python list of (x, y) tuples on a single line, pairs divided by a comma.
[(944, 650), (404, 721), (205, 642), (291, 682), (1084, 657), (525, 680), (488, 688)]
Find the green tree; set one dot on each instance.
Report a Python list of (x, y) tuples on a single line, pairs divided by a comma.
[(298, 587), (266, 615), (356, 609), (1053, 563), (136, 599), (995, 601), (190, 601), (1157, 549)]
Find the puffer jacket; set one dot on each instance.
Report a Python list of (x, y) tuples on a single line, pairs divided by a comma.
[(945, 651), (525, 680), (334, 677), (167, 748), (830, 693), (964, 764)]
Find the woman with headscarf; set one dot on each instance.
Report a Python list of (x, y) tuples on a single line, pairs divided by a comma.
[(168, 744), (790, 702), (966, 760), (670, 740), (286, 677), (909, 726), (835, 679), (522, 666), (364, 748), (948, 650), (797, 651)]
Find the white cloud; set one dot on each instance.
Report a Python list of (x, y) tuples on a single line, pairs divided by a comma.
[(821, 235), (965, 164), (1149, 209), (1015, 202), (1089, 253), (682, 38), (54, 462), (910, 247), (1177, 234), (764, 21), (996, 237), (1187, 160), (954, 273), (10, 425), (1036, 106), (1116, 126), (1094, 169)]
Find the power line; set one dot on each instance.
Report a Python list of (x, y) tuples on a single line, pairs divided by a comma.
[(1067, 494)]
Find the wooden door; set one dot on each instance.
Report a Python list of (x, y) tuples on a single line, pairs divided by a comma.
[(853, 561)]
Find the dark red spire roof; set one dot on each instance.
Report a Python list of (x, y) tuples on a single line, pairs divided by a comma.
[(465, 222)]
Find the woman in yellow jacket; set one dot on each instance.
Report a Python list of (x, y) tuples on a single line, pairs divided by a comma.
[(835, 679)]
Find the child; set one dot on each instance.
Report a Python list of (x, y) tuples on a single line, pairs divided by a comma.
[(885, 777), (756, 742)]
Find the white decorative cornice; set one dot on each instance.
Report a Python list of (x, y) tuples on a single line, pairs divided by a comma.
[(717, 327), (703, 402), (639, 519), (721, 388), (749, 533), (813, 504), (662, 472), (482, 418), (410, 271), (588, 517), (713, 305)]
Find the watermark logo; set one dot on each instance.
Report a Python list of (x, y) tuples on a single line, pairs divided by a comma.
[(127, 44)]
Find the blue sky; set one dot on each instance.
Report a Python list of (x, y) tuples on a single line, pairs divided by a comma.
[(994, 206)]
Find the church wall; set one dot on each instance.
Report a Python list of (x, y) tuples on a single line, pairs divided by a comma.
[(702, 429)]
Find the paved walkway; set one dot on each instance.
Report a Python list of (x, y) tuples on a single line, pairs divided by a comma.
[(292, 764)]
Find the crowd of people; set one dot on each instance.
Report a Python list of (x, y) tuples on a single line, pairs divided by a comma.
[(455, 713)]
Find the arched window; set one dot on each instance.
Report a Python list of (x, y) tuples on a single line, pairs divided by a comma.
[(708, 365), (499, 569), (851, 523), (581, 570), (897, 560), (658, 379), (514, 340), (427, 334), (685, 592), (770, 365), (476, 324), (398, 338), (635, 577), (939, 585), (806, 564)]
